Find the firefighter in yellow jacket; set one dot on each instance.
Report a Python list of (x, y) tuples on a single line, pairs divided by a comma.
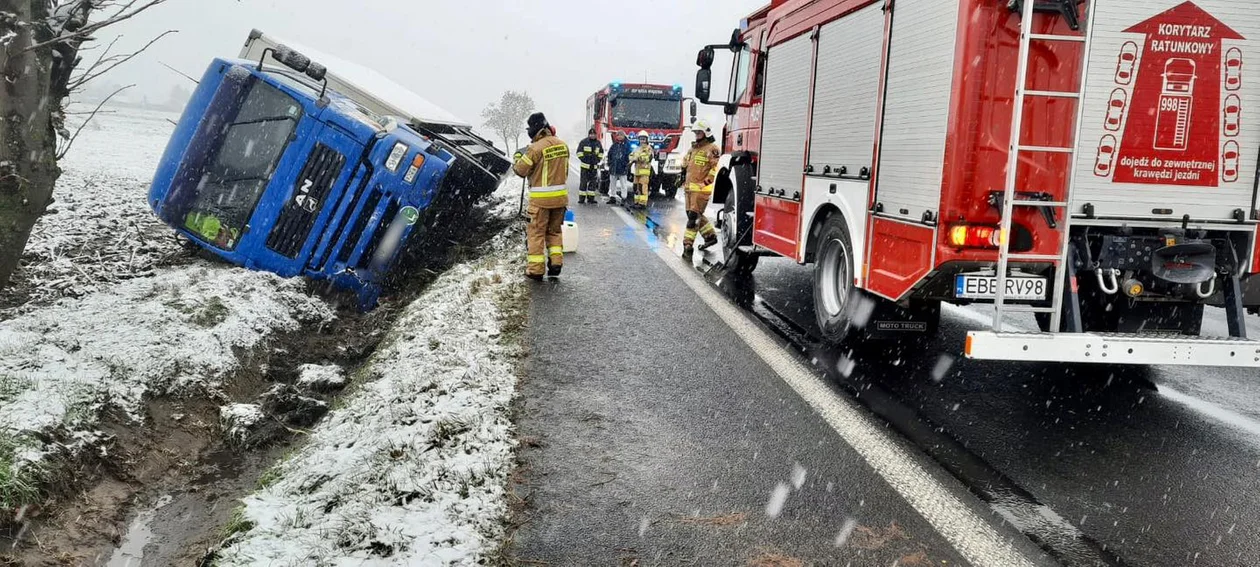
[(700, 173), (641, 166), (545, 162)]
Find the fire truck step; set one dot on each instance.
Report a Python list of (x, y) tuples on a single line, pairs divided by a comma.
[(1053, 94), (1113, 348), (1028, 203), (1053, 37), (1035, 257), (1048, 149), (1026, 309)]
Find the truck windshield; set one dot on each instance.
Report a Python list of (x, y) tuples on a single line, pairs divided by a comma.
[(239, 163), (647, 113)]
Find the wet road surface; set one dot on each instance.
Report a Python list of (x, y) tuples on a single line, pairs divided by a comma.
[(652, 436), (1166, 477)]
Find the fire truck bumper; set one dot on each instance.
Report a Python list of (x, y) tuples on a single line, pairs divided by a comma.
[(1113, 348)]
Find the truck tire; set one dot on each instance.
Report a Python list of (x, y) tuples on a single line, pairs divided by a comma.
[(736, 220), (834, 293)]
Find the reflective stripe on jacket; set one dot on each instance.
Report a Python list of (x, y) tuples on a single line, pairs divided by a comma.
[(642, 160), (701, 163), (590, 153), (546, 164)]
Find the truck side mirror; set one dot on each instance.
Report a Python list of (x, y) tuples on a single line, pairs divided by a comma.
[(704, 78), (737, 41), (704, 59), (693, 110)]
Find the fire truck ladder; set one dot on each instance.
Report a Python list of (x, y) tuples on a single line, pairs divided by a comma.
[(1012, 197)]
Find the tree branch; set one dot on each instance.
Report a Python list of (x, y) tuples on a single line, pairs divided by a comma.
[(88, 75), (86, 32), (70, 142)]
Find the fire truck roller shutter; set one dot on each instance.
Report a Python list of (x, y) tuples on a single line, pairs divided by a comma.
[(846, 91), (784, 129), (916, 107), (846, 96)]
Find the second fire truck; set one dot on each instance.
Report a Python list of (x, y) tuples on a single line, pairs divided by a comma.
[(633, 108), (1083, 161)]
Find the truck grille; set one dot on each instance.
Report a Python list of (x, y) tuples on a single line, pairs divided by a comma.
[(293, 227)]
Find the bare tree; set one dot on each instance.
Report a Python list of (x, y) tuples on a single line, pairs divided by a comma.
[(40, 44), (507, 118)]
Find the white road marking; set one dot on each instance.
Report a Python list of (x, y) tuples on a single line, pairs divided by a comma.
[(1211, 410), (973, 536)]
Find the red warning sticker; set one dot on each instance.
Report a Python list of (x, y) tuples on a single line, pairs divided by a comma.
[(1172, 96)]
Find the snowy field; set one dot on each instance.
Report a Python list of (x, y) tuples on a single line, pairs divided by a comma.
[(100, 229), (103, 325), (412, 468)]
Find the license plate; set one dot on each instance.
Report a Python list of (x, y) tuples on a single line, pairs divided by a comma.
[(985, 287)]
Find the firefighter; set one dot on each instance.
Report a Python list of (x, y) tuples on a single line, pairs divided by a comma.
[(641, 162), (618, 165), (700, 167), (589, 153), (545, 162)]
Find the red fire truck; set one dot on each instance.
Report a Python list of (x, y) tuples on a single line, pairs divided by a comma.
[(1081, 160), (633, 108)]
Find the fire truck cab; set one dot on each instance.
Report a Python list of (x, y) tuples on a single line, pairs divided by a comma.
[(633, 108), (1082, 161)]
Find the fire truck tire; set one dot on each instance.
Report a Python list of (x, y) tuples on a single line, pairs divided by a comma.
[(737, 224), (833, 280)]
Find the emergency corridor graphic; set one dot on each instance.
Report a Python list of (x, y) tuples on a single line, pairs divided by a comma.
[(1172, 115)]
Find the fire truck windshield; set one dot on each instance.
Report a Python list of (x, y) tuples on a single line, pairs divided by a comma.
[(654, 113), (244, 157)]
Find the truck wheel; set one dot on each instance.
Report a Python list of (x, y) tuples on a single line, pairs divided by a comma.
[(833, 280), (736, 220)]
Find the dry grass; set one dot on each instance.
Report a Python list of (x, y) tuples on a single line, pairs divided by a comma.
[(774, 559), (877, 538), (716, 521), (916, 559)]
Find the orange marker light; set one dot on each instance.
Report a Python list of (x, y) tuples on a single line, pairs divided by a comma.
[(974, 236)]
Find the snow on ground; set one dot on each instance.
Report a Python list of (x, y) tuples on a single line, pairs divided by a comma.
[(181, 331), (101, 229), (412, 468)]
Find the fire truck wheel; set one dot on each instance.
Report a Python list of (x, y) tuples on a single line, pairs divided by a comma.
[(833, 280)]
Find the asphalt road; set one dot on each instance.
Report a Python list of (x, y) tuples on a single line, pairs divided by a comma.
[(653, 436), (1165, 477)]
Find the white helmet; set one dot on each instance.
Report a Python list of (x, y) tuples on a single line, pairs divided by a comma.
[(643, 134), (702, 125)]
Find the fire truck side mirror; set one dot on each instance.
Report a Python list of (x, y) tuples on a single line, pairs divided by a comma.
[(704, 78), (693, 111), (704, 59)]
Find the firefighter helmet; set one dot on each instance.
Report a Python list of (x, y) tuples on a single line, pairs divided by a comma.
[(643, 134), (702, 125)]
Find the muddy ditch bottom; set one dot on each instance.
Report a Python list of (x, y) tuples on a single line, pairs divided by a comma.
[(164, 493)]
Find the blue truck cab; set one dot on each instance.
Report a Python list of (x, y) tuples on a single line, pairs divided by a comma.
[(270, 169)]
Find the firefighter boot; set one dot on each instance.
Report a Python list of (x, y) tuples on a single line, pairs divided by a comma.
[(709, 242)]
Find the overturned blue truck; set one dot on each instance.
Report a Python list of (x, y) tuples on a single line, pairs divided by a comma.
[(316, 167)]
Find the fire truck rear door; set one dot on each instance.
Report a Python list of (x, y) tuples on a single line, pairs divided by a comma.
[(1165, 130)]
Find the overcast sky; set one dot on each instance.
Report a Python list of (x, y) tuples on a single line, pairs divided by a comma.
[(458, 54)]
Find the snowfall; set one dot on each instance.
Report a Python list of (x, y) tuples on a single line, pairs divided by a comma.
[(409, 468)]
